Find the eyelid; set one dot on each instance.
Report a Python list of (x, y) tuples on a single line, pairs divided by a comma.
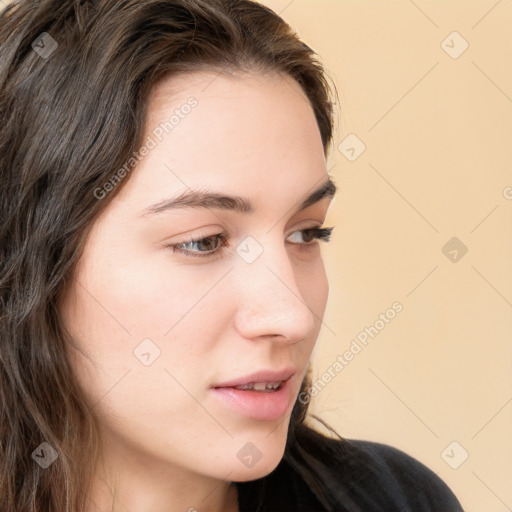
[(217, 231)]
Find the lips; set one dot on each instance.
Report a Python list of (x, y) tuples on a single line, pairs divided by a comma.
[(263, 396)]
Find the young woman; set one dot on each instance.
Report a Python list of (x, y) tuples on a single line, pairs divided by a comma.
[(162, 288)]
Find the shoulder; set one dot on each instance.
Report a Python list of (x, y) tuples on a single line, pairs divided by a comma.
[(388, 477)]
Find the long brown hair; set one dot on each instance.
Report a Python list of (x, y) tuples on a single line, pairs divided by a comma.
[(75, 76)]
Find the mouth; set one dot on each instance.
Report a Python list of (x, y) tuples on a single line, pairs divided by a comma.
[(263, 380), (258, 398)]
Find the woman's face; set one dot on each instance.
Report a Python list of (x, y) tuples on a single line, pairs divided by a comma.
[(163, 329)]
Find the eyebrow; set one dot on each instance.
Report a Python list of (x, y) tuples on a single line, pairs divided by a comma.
[(209, 199)]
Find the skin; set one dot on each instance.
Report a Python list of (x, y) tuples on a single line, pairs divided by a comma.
[(169, 444)]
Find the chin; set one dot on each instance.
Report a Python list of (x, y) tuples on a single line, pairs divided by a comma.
[(258, 471), (268, 456)]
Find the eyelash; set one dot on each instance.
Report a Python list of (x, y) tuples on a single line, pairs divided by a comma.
[(316, 233)]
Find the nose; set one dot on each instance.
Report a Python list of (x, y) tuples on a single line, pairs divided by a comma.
[(270, 302)]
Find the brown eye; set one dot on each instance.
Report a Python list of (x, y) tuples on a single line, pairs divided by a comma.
[(206, 243), (205, 247), (315, 233)]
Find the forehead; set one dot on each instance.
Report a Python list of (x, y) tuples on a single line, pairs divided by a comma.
[(217, 84), (233, 109), (245, 134)]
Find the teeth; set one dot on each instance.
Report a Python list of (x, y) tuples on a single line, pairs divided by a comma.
[(260, 386)]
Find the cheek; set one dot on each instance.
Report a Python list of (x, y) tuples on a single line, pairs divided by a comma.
[(145, 297), (140, 381), (315, 292), (135, 316), (314, 286)]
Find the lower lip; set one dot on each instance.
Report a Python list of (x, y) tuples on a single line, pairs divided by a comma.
[(257, 405)]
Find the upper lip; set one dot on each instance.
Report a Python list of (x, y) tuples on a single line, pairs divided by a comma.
[(259, 376)]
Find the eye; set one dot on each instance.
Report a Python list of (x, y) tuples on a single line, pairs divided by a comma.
[(309, 235)]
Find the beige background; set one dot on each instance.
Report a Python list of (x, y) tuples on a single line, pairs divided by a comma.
[(437, 164)]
